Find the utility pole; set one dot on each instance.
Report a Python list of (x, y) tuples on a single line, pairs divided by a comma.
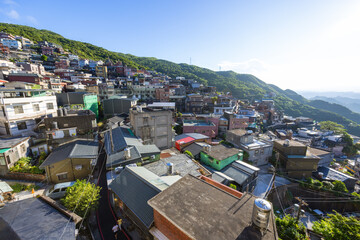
[(301, 203)]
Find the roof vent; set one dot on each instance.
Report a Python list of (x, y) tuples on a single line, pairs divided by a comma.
[(261, 213), (207, 148), (127, 153)]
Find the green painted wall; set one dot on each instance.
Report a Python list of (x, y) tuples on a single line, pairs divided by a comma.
[(217, 164), (91, 103)]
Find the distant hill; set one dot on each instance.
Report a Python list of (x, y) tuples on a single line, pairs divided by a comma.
[(240, 85), (352, 103)]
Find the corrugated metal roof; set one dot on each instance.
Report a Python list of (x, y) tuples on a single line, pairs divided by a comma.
[(34, 219), (148, 149), (11, 142), (76, 149), (118, 158), (134, 191)]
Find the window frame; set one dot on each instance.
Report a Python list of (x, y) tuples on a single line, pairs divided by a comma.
[(36, 109), (18, 107), (22, 128), (48, 104)]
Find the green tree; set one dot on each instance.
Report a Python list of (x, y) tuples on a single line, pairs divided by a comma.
[(44, 58), (289, 228), (332, 126), (80, 196), (339, 186), (338, 227)]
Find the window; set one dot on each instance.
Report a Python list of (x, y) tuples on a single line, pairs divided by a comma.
[(62, 176), (21, 125), (262, 151), (23, 148), (50, 106), (2, 160), (256, 152), (8, 159), (18, 109), (36, 107)]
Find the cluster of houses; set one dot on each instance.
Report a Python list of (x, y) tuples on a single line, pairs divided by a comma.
[(183, 184)]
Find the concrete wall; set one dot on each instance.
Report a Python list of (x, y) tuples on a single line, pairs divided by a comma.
[(83, 123), (218, 164), (117, 106), (68, 166), (153, 127)]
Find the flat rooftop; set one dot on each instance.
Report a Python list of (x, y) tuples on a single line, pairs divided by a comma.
[(292, 143), (203, 211), (221, 152), (197, 123)]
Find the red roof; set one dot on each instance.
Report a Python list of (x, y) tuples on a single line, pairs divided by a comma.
[(185, 140)]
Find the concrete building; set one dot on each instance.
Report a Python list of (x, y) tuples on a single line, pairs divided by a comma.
[(79, 100), (153, 126), (23, 109), (101, 71), (295, 157), (12, 44), (194, 103), (258, 150), (205, 127), (115, 106), (11, 150), (203, 209), (219, 156), (71, 161)]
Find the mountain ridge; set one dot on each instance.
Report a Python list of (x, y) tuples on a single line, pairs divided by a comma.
[(240, 85)]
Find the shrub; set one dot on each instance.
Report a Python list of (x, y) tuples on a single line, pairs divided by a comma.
[(289, 228), (23, 166)]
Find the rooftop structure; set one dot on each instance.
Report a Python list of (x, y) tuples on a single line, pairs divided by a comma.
[(195, 209)]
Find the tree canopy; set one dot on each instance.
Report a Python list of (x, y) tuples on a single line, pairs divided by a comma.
[(338, 227), (332, 126), (289, 228), (81, 196)]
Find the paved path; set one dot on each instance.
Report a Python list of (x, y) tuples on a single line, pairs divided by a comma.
[(104, 215)]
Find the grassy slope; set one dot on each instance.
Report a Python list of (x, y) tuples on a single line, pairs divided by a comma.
[(241, 85)]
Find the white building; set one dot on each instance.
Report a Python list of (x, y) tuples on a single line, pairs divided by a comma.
[(12, 44), (22, 109), (26, 43), (259, 150)]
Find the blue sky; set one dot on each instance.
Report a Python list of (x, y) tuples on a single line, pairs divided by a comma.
[(302, 45)]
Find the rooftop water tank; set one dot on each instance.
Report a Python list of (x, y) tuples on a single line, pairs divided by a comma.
[(261, 213)]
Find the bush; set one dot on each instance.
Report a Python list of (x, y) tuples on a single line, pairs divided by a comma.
[(17, 187), (328, 185), (340, 187), (23, 166), (289, 228)]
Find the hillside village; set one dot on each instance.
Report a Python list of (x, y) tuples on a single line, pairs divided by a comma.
[(168, 154)]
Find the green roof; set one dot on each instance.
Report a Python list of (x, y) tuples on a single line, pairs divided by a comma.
[(4, 150)]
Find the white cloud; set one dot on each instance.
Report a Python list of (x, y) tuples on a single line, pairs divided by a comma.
[(32, 20), (13, 14), (10, 2), (253, 66)]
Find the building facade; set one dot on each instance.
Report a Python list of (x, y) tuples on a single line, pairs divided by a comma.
[(153, 126), (22, 109)]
